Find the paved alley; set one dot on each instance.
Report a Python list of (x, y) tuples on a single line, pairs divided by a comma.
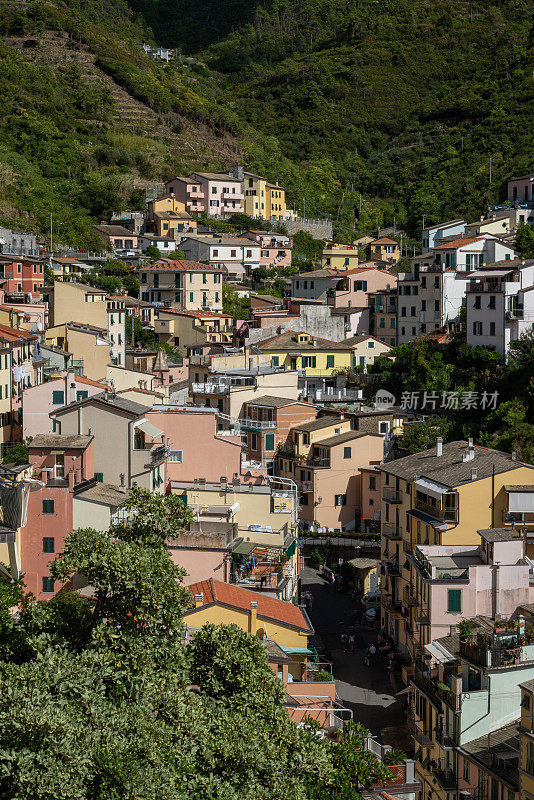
[(367, 691)]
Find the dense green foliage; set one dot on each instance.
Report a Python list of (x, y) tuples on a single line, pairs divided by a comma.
[(102, 700), (369, 112), (457, 370)]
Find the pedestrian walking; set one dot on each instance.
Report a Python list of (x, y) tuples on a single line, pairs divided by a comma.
[(351, 643), (310, 600), (344, 641)]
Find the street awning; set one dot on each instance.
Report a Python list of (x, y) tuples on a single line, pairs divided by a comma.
[(244, 548), (406, 690), (490, 273), (433, 488), (148, 429), (439, 652), (298, 651)]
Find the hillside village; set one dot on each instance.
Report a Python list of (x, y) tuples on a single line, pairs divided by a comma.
[(127, 372)]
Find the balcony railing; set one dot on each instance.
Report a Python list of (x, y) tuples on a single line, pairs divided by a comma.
[(392, 568), (305, 486), (210, 388), (447, 777), (391, 531), (420, 736), (445, 739), (443, 514), (257, 424), (391, 495)]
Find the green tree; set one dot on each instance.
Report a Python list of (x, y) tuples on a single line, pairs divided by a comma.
[(153, 252), (234, 305), (422, 436), (524, 240)]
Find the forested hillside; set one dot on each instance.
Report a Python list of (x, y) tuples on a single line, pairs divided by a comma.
[(371, 110)]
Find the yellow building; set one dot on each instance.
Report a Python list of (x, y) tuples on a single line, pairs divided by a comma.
[(263, 200), (15, 318), (256, 613), (89, 346), (302, 351), (339, 256), (5, 398), (365, 348), (68, 302), (186, 328), (442, 496), (526, 738)]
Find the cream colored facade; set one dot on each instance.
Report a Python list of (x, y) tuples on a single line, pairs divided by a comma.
[(526, 737), (190, 289), (86, 343), (182, 330), (367, 349), (407, 519), (229, 393), (75, 302), (128, 378), (5, 398), (116, 327), (10, 547)]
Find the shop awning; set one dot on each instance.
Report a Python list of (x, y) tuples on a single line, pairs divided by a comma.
[(520, 498), (244, 548), (298, 651)]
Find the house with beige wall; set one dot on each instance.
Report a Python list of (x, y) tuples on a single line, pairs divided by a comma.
[(442, 496), (75, 302), (187, 285), (90, 346), (182, 329), (128, 449)]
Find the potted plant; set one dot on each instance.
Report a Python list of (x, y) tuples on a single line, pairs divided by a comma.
[(465, 630)]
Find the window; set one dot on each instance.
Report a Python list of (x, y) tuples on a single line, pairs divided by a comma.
[(99, 477), (436, 282), (393, 322), (466, 770), (253, 441), (477, 328), (309, 362), (58, 398), (382, 322), (269, 442), (329, 361), (48, 584), (347, 452), (275, 360), (454, 601), (190, 297), (204, 278), (423, 283), (372, 483), (492, 329), (82, 394), (233, 253), (48, 506), (176, 456), (48, 544), (370, 344), (60, 465), (403, 331), (476, 304), (340, 500), (403, 311)]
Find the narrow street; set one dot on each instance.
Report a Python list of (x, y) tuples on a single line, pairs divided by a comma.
[(365, 690)]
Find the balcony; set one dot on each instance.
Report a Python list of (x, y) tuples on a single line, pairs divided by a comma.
[(422, 738), (316, 461), (391, 531), (443, 514), (393, 569), (195, 195), (447, 778), (158, 454), (484, 286), (391, 495), (248, 424), (210, 388), (518, 312), (305, 486), (422, 616), (232, 195), (444, 739), (409, 600)]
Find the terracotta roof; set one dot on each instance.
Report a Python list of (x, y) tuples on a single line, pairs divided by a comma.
[(89, 381), (218, 176), (455, 243), (12, 334), (201, 314), (217, 592), (341, 438), (384, 240), (115, 230), (180, 178), (288, 341), (60, 441), (352, 340), (168, 265)]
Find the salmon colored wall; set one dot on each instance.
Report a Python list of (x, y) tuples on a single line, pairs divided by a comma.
[(204, 455), (201, 565)]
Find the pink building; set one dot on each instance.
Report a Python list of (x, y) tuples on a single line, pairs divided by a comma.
[(38, 401), (218, 193), (195, 447), (455, 582), (521, 189), (62, 463), (352, 288), (22, 275), (330, 479), (120, 239), (276, 248)]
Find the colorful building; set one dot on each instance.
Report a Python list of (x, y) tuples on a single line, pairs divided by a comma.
[(187, 285)]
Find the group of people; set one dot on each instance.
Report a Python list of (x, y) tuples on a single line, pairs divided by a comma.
[(347, 642), (307, 598), (384, 647)]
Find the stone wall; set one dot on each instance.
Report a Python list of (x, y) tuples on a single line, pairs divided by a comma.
[(318, 228)]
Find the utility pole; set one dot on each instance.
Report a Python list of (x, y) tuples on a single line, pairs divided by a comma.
[(401, 244), (424, 218), (490, 170), (303, 208), (50, 256)]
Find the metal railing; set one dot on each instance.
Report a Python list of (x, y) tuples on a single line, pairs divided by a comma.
[(210, 388), (443, 514), (257, 424), (391, 531), (391, 495)]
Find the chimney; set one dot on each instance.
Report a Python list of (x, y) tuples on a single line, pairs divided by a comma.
[(121, 476), (439, 447), (253, 619), (199, 600), (514, 455), (474, 474)]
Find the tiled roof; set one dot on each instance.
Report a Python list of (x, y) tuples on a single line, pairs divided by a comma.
[(449, 468), (272, 402), (199, 314), (60, 441), (287, 341), (89, 381), (12, 334), (443, 224), (115, 230), (362, 338), (341, 438), (236, 597), (318, 424), (168, 265), (454, 244), (218, 176), (106, 494), (120, 403), (384, 240)]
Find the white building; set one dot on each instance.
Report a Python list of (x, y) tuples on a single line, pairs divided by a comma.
[(500, 304), (116, 317), (433, 233), (223, 252), (432, 294)]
